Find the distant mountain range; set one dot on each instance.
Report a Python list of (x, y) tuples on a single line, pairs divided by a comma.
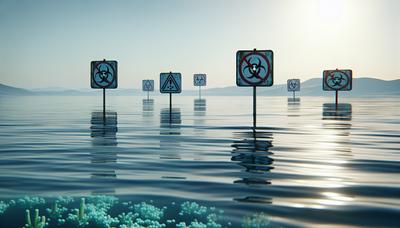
[(311, 87)]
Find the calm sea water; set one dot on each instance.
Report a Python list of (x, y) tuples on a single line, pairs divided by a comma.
[(305, 165)]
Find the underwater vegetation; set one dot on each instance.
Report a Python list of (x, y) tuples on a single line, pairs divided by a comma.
[(38, 221), (109, 211)]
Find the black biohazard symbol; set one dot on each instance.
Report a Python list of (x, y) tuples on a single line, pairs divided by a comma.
[(254, 68), (170, 85), (199, 80), (337, 80), (293, 85), (103, 74)]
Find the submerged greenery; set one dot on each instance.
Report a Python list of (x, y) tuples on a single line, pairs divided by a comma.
[(108, 211)]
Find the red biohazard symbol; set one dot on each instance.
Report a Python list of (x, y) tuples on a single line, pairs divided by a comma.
[(254, 68)]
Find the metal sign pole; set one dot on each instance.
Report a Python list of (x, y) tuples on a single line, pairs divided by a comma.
[(104, 104), (170, 107), (199, 92), (254, 108), (337, 99), (147, 95), (294, 95)]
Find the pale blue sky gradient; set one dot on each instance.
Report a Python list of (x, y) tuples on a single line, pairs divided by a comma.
[(51, 43)]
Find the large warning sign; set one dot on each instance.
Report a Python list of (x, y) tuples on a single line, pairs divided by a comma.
[(199, 80), (103, 74), (293, 85), (254, 68), (148, 85), (170, 82), (337, 80)]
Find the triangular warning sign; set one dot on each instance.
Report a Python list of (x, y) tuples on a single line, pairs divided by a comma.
[(170, 85)]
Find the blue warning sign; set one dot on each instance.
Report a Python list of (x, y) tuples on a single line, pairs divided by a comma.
[(170, 82), (148, 85)]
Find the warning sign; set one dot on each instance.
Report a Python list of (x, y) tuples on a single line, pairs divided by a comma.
[(199, 80), (103, 74), (254, 68), (337, 80), (148, 85), (170, 82), (293, 85)]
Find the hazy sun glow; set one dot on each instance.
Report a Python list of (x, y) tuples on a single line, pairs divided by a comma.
[(330, 11)]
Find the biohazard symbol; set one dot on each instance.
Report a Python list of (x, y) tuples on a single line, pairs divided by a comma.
[(170, 85), (337, 80), (199, 80), (293, 85), (254, 68), (103, 74)]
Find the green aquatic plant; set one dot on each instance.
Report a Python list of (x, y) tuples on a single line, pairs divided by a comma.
[(148, 211), (106, 211), (64, 200), (208, 216), (256, 221), (127, 219), (59, 209), (30, 201), (78, 218), (81, 211), (195, 224), (56, 213), (102, 201), (38, 222), (142, 215), (95, 213), (189, 208), (148, 223), (3, 207)]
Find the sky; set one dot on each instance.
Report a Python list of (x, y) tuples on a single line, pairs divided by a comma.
[(50, 43)]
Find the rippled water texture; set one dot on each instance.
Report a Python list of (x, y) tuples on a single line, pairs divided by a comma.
[(307, 164)]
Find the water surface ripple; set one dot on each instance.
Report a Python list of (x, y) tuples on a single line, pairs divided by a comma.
[(306, 164)]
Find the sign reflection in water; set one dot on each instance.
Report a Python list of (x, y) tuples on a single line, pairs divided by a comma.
[(147, 107), (199, 108), (343, 112), (104, 140), (252, 152), (295, 100), (170, 131), (293, 107)]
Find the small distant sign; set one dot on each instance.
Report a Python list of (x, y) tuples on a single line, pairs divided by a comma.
[(254, 68), (170, 83), (293, 85), (337, 80), (199, 80), (103, 74), (148, 85)]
